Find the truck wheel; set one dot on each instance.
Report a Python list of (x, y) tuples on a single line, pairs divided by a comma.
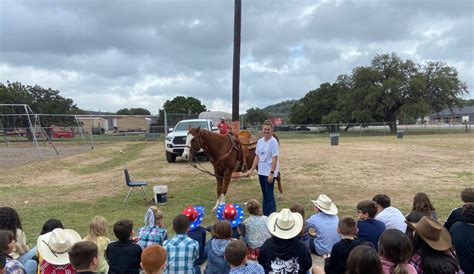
[(170, 157)]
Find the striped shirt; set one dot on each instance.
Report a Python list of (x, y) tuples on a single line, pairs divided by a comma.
[(181, 252), (151, 235)]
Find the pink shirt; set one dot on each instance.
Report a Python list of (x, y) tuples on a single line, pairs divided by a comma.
[(387, 265)]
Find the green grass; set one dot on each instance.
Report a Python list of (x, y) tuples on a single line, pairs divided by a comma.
[(146, 161), (130, 153)]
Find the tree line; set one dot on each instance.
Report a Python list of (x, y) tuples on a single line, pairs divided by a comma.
[(384, 91)]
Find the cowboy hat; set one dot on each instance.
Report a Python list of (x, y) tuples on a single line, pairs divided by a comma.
[(230, 212), (434, 234), (194, 214), (325, 204), (53, 246), (285, 224)]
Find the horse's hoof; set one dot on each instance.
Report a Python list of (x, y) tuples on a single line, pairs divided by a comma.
[(280, 196), (214, 209)]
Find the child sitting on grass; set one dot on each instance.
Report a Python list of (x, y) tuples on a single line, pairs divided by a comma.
[(181, 251), (98, 235), (123, 255), (153, 233), (255, 230), (84, 257), (236, 256)]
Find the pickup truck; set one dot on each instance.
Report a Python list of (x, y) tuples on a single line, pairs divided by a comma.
[(176, 139)]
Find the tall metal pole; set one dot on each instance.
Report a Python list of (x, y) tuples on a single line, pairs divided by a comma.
[(236, 67)]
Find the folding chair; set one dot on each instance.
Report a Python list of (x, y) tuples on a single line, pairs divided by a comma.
[(133, 184)]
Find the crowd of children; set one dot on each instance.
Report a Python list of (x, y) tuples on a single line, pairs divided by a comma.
[(381, 241)]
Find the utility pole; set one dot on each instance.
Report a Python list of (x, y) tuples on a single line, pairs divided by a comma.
[(236, 68)]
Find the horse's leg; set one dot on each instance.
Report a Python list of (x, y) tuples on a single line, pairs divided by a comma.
[(225, 184), (219, 178)]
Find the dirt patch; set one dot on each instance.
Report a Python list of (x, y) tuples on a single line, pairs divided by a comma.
[(15, 155), (355, 170)]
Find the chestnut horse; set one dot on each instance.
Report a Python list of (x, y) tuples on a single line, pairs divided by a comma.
[(225, 154)]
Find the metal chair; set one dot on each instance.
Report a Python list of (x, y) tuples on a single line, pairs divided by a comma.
[(133, 184)]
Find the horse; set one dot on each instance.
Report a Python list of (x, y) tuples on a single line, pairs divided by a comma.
[(226, 154)]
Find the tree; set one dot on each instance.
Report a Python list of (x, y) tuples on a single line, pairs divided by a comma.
[(133, 111), (181, 105), (255, 116), (41, 101), (312, 108), (387, 90)]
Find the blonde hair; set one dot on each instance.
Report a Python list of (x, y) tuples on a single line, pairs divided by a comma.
[(97, 228), (268, 122), (156, 213), (253, 207)]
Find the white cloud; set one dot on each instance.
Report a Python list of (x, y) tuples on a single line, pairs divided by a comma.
[(109, 55)]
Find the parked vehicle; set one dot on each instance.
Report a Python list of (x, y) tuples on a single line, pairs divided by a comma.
[(62, 132), (176, 139)]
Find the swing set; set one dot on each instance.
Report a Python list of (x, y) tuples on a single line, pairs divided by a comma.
[(19, 123)]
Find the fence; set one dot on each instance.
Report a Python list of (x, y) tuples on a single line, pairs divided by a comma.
[(91, 129), (367, 129)]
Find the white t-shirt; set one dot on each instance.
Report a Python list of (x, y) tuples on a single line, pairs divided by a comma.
[(266, 150), (392, 218)]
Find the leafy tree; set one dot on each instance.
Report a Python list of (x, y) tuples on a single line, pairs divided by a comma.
[(41, 101), (468, 102), (133, 111), (123, 111), (315, 105), (388, 89), (182, 105), (255, 116)]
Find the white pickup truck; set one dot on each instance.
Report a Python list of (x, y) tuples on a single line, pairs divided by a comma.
[(176, 139)]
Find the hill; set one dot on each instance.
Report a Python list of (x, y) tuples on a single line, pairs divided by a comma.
[(280, 109)]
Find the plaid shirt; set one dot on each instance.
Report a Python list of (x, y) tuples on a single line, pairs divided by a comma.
[(417, 262), (47, 268), (248, 268), (151, 235), (13, 266), (181, 252)]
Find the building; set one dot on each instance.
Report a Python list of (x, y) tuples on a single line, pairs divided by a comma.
[(455, 116)]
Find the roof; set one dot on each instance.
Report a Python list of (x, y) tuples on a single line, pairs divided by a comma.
[(455, 111)]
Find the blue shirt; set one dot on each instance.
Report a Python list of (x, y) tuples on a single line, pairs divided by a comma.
[(181, 252), (326, 231), (370, 230), (248, 268), (199, 235)]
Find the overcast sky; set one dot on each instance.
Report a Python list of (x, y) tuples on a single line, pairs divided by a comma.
[(108, 55)]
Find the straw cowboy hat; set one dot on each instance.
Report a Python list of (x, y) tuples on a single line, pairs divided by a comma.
[(285, 224), (434, 234), (53, 246), (325, 204)]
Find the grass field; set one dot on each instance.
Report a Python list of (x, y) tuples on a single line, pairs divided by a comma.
[(75, 188)]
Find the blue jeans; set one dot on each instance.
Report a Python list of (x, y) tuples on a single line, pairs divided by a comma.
[(26, 260), (268, 204)]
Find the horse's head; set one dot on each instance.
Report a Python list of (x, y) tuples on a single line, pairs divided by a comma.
[(193, 143)]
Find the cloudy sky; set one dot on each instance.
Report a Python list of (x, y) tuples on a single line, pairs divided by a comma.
[(108, 55)]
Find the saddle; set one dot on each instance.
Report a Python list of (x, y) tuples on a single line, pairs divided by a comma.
[(247, 142)]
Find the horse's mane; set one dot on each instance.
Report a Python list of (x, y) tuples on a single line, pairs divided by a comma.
[(212, 137)]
